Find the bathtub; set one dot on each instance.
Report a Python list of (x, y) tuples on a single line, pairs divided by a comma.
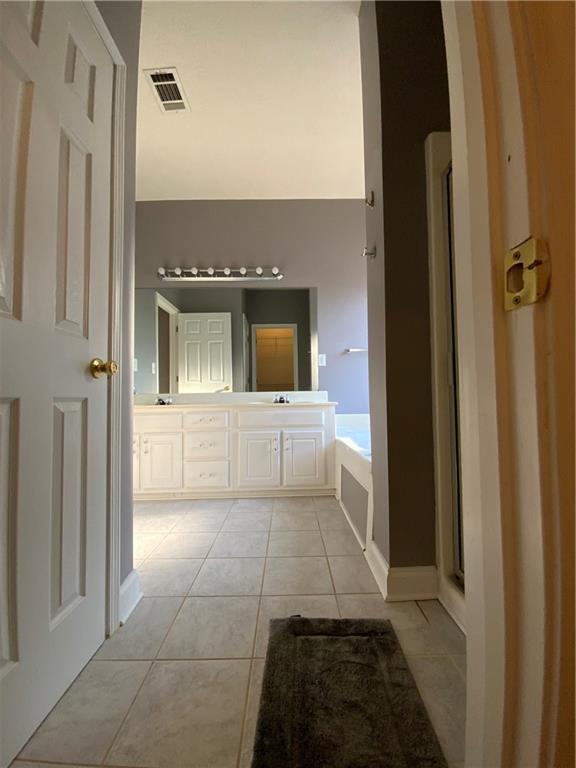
[(353, 456)]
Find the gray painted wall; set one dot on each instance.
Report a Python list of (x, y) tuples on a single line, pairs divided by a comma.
[(412, 102), (122, 18), (316, 242)]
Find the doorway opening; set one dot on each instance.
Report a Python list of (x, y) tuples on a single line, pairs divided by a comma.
[(274, 357)]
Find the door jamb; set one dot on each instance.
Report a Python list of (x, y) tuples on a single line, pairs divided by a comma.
[(254, 327), (115, 332), (478, 337), (167, 306), (438, 159)]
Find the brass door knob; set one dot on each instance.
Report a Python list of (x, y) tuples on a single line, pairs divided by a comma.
[(99, 368)]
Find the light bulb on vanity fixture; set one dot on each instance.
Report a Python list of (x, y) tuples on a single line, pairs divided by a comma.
[(161, 272), (178, 271), (243, 271), (275, 271), (210, 271), (259, 271), (227, 271), (194, 270)]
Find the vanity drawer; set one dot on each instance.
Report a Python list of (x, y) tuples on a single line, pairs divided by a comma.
[(206, 420), (206, 445), (157, 422), (206, 474), (281, 417)]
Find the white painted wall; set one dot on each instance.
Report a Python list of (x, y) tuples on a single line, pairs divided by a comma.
[(275, 101)]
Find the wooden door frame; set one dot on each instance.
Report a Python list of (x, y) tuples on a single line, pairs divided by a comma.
[(253, 329), (117, 445), (438, 159), (510, 477), (160, 302)]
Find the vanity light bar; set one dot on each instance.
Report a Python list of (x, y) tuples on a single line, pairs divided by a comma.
[(211, 274)]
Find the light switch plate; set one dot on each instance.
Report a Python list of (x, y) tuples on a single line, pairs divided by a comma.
[(153, 367), (135, 365), (322, 360)]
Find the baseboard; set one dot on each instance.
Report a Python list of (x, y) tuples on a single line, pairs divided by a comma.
[(378, 566), (130, 596), (236, 493), (416, 583)]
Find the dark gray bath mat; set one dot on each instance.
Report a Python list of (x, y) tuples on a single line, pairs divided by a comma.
[(338, 693)]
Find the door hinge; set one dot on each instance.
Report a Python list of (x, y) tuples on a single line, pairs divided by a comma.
[(526, 273)]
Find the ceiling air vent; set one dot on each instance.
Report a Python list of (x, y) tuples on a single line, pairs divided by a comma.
[(167, 88)]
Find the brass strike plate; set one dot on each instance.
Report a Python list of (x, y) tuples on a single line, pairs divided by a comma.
[(526, 274)]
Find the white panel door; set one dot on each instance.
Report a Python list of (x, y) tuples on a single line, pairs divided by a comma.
[(259, 459), (303, 457), (160, 460), (56, 79), (204, 351)]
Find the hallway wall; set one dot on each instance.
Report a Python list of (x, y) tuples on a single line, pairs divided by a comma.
[(122, 18), (405, 91)]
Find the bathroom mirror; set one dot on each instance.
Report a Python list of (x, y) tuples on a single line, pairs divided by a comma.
[(212, 339)]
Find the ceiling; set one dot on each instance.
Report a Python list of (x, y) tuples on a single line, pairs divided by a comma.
[(275, 101)]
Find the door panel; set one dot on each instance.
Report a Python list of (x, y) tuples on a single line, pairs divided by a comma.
[(204, 352), (303, 457), (55, 185), (259, 459)]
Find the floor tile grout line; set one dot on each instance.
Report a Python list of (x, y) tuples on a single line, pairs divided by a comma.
[(330, 573), (160, 659), (183, 600), (422, 612), (84, 763), (245, 712), (117, 732), (245, 708), (462, 674)]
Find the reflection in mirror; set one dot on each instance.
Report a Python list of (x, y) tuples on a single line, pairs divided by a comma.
[(214, 339)]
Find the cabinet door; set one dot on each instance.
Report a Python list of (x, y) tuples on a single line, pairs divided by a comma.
[(160, 460), (136, 461), (303, 457), (259, 459)]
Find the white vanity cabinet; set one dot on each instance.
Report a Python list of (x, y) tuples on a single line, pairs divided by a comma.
[(195, 451), (136, 461), (160, 460), (294, 458), (304, 457), (259, 459)]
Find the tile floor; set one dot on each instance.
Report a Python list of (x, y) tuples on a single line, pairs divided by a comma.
[(178, 686)]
